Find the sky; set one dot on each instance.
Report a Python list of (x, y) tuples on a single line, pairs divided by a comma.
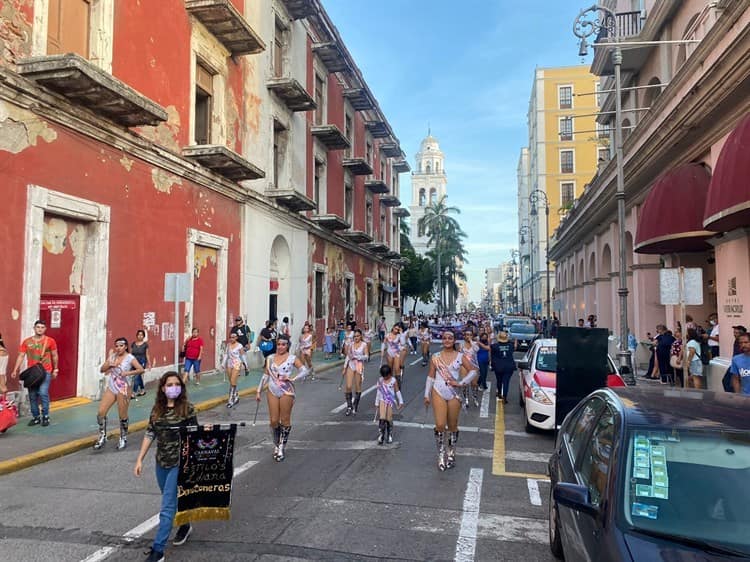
[(466, 69)]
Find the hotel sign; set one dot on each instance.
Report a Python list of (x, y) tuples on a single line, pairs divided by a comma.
[(733, 307)]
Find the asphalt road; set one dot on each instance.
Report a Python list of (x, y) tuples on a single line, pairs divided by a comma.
[(337, 496)]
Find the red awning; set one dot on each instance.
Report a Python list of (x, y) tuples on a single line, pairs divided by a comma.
[(671, 218), (728, 201)]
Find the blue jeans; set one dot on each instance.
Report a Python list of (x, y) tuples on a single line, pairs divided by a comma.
[(138, 379), (167, 480), (40, 392), (483, 373), (194, 364), (503, 381)]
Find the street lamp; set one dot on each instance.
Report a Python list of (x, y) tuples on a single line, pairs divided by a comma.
[(524, 231), (535, 197), (584, 28), (515, 272)]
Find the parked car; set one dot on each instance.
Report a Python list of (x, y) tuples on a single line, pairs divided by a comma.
[(508, 321), (523, 334), (639, 474), (538, 383)]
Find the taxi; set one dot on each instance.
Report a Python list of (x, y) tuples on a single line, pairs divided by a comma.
[(538, 383)]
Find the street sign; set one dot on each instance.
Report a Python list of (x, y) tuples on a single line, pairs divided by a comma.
[(692, 286), (176, 287)]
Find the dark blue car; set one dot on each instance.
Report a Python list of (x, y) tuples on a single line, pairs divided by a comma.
[(647, 475)]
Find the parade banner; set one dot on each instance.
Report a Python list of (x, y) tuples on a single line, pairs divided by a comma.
[(204, 483)]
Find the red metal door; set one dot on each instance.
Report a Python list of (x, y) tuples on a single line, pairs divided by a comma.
[(61, 313)]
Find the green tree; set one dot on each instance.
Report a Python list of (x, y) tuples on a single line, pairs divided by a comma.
[(417, 279)]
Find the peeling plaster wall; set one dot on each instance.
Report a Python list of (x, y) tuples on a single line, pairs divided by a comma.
[(20, 129), (63, 256), (15, 30)]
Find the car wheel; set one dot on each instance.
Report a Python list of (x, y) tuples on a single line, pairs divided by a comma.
[(555, 543), (529, 428)]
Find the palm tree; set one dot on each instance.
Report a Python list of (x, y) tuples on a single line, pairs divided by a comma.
[(433, 223), (404, 242), (452, 256)]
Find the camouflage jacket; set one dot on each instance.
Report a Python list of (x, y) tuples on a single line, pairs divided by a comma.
[(167, 437)]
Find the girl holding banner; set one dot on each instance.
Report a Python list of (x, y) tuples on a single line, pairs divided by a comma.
[(170, 411), (442, 390), (354, 371), (280, 395)]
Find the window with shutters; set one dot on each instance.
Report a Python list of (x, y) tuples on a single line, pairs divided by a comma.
[(320, 278), (317, 184), (565, 97), (368, 215), (204, 93), (319, 100), (383, 230), (567, 194), (349, 203), (279, 151), (566, 161), (69, 27), (279, 49), (368, 153), (349, 134), (566, 129)]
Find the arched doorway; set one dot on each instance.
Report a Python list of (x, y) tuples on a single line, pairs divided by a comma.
[(279, 286), (604, 289)]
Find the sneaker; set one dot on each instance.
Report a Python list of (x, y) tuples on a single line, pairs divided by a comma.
[(182, 534), (154, 556), (35, 421), (45, 421)]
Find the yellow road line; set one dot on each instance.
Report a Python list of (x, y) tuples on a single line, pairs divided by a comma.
[(498, 457)]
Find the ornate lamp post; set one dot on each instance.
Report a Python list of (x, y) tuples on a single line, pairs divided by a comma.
[(535, 197), (524, 231), (590, 21)]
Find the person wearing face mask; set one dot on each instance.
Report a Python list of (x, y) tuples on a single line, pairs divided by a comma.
[(713, 335), (171, 411)]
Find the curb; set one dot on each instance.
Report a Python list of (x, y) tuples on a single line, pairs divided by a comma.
[(63, 449)]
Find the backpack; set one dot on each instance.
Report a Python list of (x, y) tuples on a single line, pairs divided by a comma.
[(705, 353)]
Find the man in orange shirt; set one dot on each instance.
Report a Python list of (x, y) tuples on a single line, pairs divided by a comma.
[(39, 348)]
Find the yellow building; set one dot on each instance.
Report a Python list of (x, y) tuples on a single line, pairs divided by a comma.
[(564, 148)]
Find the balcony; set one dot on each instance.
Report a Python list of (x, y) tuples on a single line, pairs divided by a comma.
[(291, 199), (629, 26), (292, 93), (391, 149), (376, 247), (223, 161), (332, 56), (400, 166), (359, 99), (225, 23), (392, 255), (356, 236), (376, 186), (331, 137), (401, 212), (299, 9), (390, 200), (400, 261), (330, 222), (84, 84), (357, 166), (378, 129)]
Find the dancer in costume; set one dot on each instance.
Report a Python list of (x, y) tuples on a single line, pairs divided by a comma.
[(306, 348), (232, 365), (425, 338), (387, 397), (470, 348), (280, 395), (391, 349), (354, 371), (442, 390)]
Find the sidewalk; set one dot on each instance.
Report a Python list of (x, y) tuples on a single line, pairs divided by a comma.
[(74, 428)]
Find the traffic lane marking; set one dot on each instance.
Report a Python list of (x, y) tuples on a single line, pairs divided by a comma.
[(484, 409), (467, 535), (151, 523), (342, 407), (534, 496), (512, 528), (500, 455)]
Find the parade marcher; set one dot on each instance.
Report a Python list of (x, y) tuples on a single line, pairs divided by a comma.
[(285, 327), (171, 410), (119, 365), (391, 350), (412, 333), (244, 336), (193, 355), (280, 395), (387, 397), (442, 391), (483, 358), (39, 348), (354, 372), (404, 352), (348, 336), (368, 335), (232, 365), (425, 338), (503, 364), (306, 348), (470, 349), (139, 350), (381, 327)]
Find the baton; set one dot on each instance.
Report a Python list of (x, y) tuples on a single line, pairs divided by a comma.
[(257, 406)]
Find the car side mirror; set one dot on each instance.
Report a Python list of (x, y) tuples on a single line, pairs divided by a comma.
[(575, 497), (523, 365)]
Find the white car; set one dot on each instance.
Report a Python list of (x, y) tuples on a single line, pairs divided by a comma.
[(538, 383)]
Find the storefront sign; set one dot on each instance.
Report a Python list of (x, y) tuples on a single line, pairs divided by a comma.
[(733, 307)]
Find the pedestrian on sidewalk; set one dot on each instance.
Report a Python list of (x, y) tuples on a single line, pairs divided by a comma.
[(388, 395), (3, 366), (354, 372), (503, 364), (281, 394), (139, 350), (39, 348), (306, 344), (442, 390), (328, 347), (232, 366), (740, 366), (268, 336), (193, 355), (119, 365), (695, 365), (171, 410)]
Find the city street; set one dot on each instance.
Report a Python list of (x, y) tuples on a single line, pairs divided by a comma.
[(337, 496)]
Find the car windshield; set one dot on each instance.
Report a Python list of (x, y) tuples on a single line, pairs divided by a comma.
[(689, 483), (522, 329)]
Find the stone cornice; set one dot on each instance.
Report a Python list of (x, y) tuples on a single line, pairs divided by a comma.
[(637, 266), (26, 94), (601, 279), (678, 129), (587, 283)]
